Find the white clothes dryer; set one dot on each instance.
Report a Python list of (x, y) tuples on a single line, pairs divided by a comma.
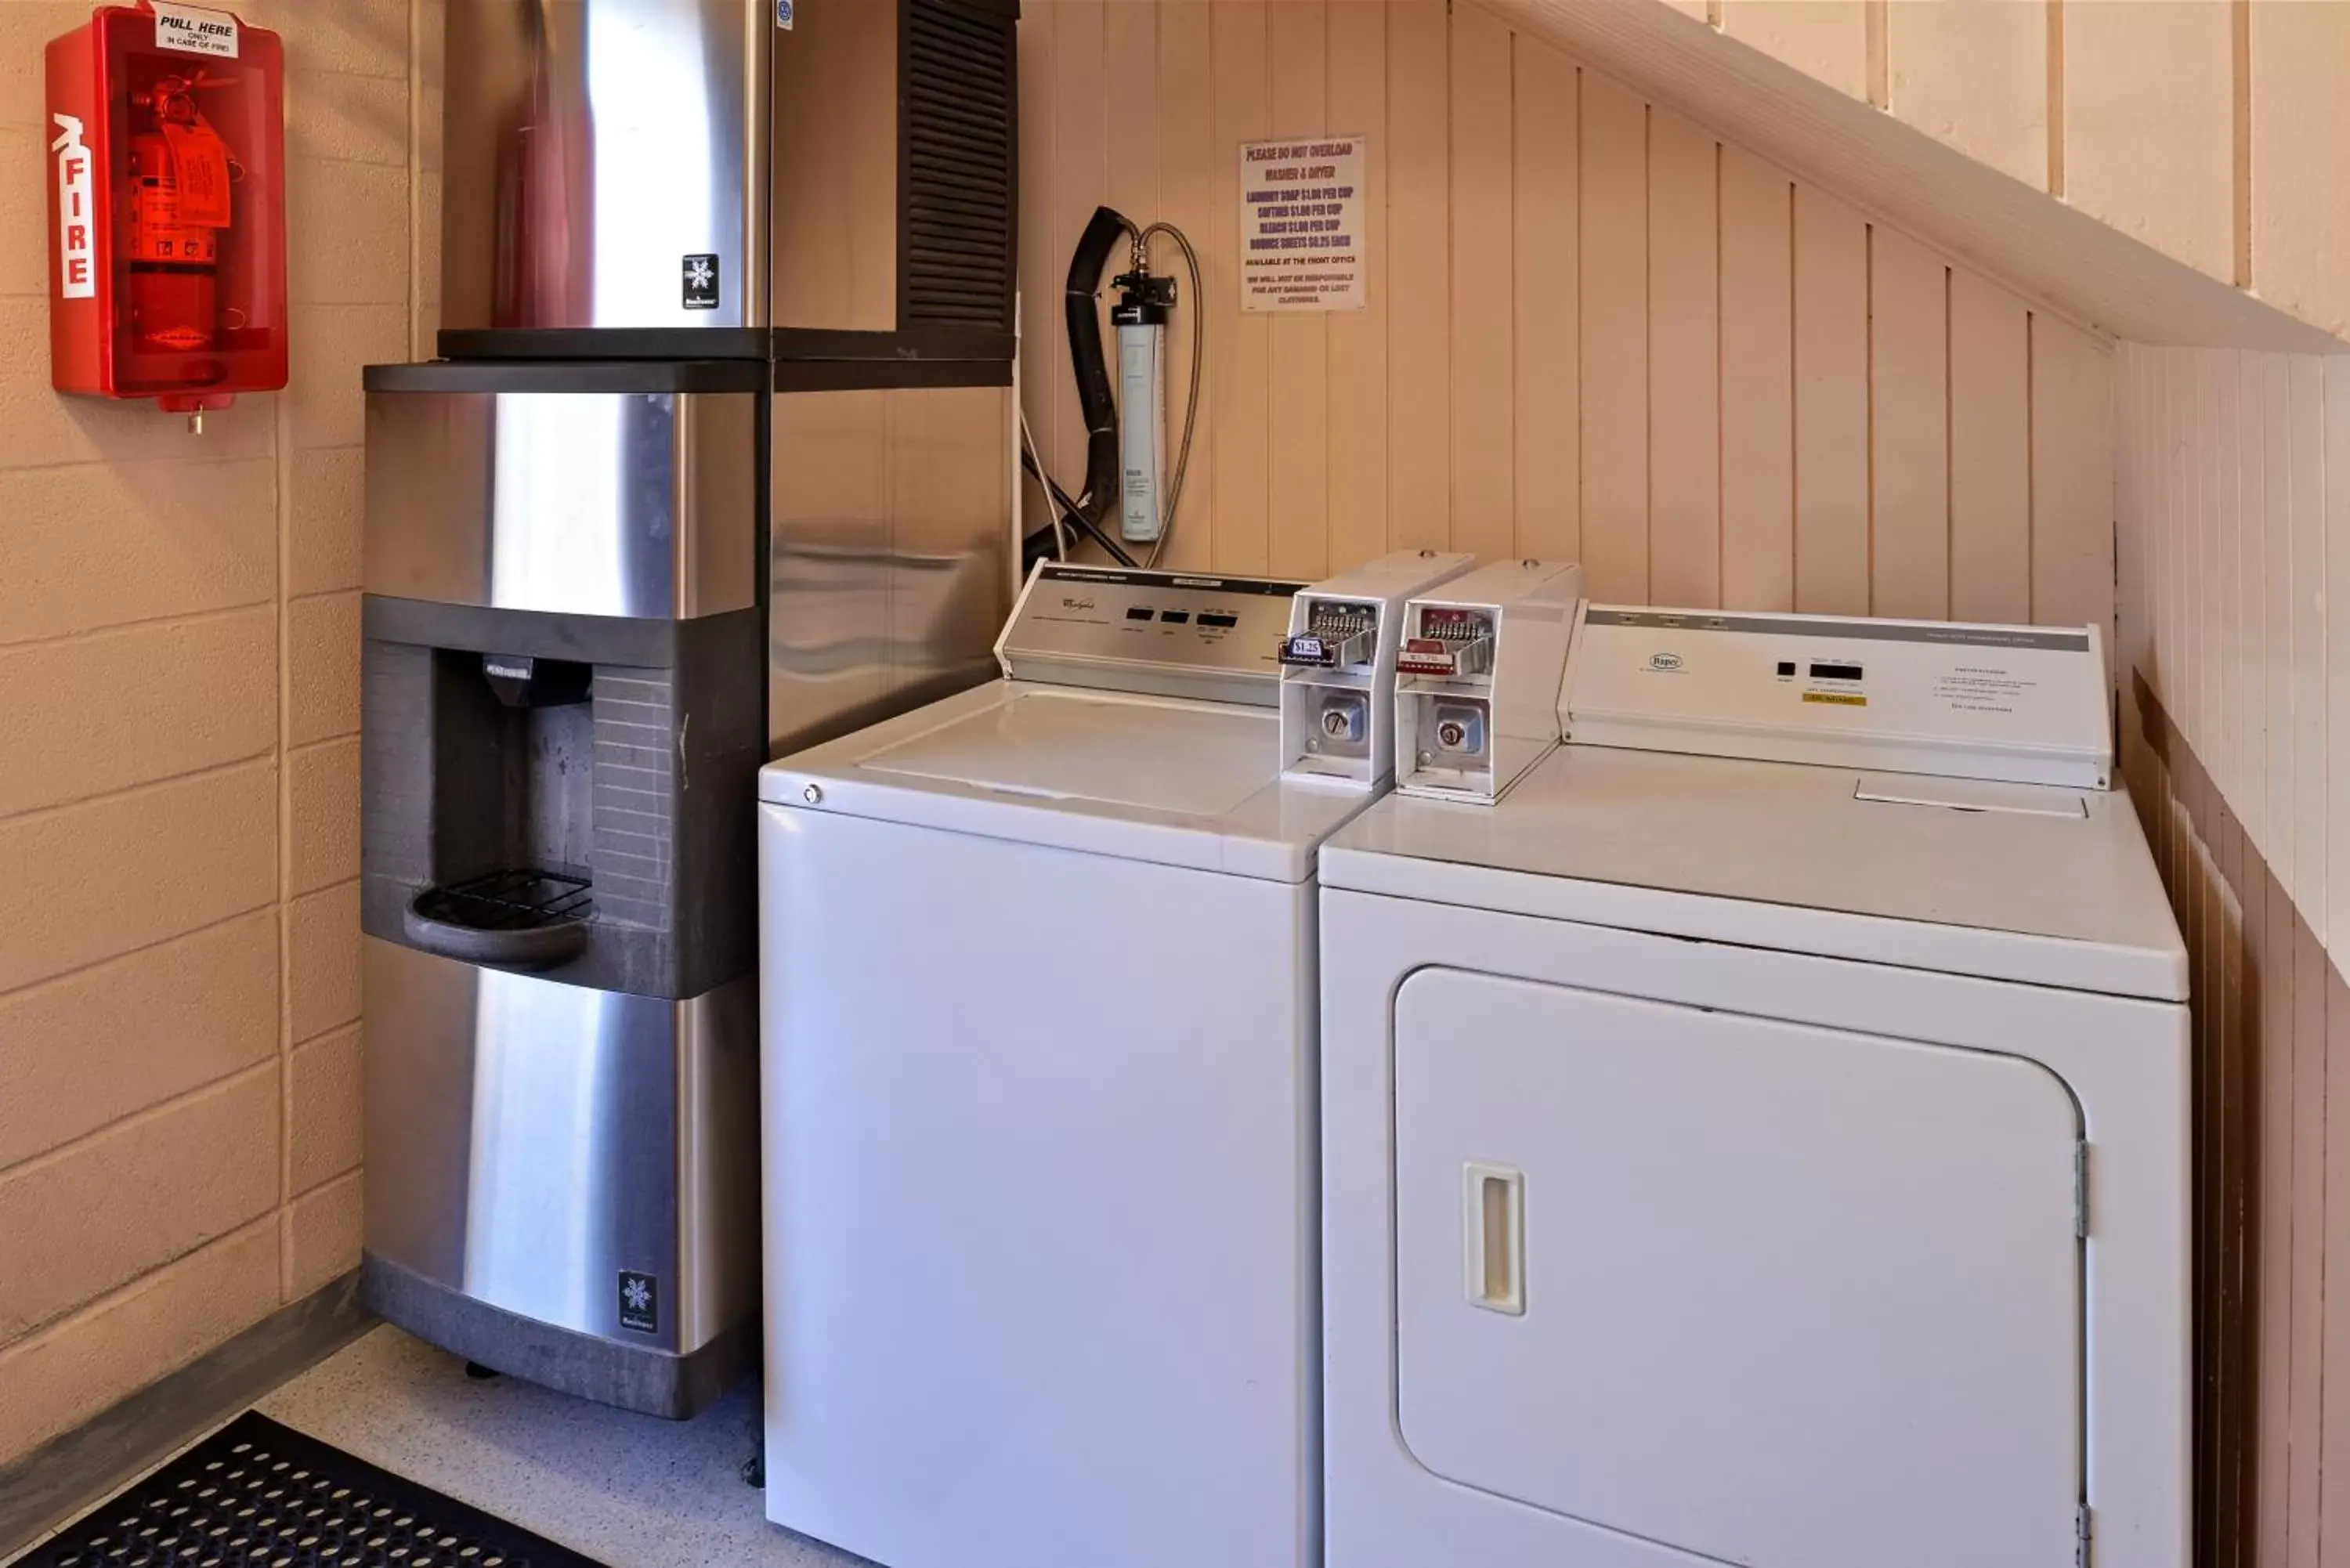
[(1038, 993), (1762, 1137)]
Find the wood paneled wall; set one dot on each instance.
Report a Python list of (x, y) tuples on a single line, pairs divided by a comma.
[(1595, 330), (2209, 129), (2233, 494)]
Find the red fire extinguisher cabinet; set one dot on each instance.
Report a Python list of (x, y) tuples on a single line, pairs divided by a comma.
[(167, 207)]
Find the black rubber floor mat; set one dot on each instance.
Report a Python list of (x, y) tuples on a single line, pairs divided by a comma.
[(259, 1495)]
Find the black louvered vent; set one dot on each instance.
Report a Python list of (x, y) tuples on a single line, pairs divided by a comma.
[(960, 156)]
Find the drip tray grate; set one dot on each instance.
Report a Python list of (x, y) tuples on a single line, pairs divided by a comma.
[(515, 901), (259, 1495)]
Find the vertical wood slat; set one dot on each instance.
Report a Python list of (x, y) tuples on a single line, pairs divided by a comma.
[(2330, 1503), (2269, 924), (2331, 388), (1990, 454), (1298, 460), (2150, 128), (2276, 504), (2285, 1230), (1547, 433), (1758, 442), (1909, 464), (1190, 158), (1975, 77), (1358, 339), (1040, 294), (2251, 608), (2236, 1111), (1080, 175), (2319, 1019), (1615, 335), (2137, 598), (1828, 39), (2296, 215), (1130, 81), (1419, 293), (1831, 273), (2305, 476), (2161, 485), (2166, 465), (2220, 603), (1483, 462), (1684, 363), (2072, 476), (2188, 411), (1130, 172), (2193, 910), (2196, 642), (1238, 354)]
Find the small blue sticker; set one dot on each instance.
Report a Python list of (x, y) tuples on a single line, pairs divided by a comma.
[(783, 15)]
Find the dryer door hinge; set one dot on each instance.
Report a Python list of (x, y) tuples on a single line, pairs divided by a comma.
[(2081, 1537), (2080, 1191)]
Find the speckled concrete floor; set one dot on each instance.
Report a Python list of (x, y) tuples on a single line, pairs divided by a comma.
[(628, 1490)]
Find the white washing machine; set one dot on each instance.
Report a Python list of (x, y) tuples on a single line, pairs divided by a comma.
[(1037, 988), (1763, 1137)]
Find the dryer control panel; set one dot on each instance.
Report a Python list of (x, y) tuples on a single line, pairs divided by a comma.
[(1173, 634), (1339, 667), (2014, 704)]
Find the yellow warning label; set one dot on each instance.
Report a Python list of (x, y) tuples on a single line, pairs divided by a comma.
[(1840, 699)]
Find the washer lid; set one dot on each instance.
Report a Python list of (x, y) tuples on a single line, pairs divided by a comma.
[(1177, 782), (2047, 885)]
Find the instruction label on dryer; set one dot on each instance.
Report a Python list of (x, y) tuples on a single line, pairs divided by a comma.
[(1976, 689), (1301, 240)]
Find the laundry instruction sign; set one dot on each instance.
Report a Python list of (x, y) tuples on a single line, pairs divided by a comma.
[(1302, 241)]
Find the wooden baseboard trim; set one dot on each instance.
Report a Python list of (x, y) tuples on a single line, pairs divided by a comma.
[(77, 1468)]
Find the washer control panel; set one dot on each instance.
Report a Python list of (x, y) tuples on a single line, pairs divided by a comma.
[(1172, 633)]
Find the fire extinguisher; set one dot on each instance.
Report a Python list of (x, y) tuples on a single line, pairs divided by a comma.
[(181, 173)]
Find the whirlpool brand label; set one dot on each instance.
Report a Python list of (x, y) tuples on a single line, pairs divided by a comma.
[(640, 1302)]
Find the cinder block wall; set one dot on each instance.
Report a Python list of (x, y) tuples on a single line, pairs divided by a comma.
[(179, 1042)]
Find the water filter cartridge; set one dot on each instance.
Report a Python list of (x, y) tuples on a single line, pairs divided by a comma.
[(1142, 426)]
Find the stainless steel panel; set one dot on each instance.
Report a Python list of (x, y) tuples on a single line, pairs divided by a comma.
[(591, 146), (527, 1141), (891, 565), (616, 504)]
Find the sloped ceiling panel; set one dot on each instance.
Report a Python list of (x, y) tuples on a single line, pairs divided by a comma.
[(2076, 264)]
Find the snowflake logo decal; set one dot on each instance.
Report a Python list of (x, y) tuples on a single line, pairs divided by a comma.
[(640, 1302), (700, 272)]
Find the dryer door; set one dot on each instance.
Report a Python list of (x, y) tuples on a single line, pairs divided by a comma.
[(1776, 1295)]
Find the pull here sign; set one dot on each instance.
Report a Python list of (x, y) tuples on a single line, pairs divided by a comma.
[(194, 30)]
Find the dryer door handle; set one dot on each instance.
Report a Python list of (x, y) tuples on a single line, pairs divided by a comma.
[(1493, 1236)]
